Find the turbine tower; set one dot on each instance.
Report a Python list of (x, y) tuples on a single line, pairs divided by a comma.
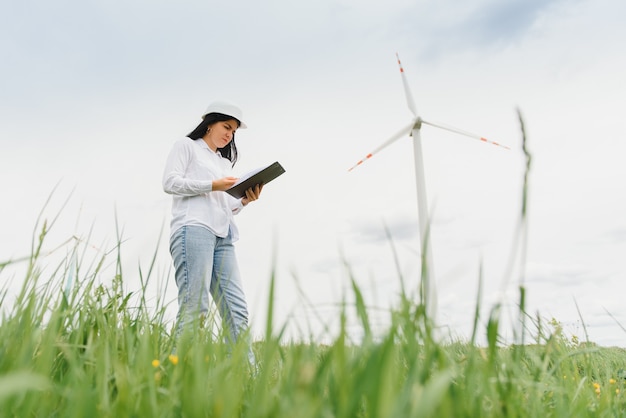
[(413, 129)]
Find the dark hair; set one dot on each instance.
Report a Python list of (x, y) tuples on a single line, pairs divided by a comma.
[(230, 150)]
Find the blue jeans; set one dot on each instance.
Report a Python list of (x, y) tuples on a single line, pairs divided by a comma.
[(205, 263)]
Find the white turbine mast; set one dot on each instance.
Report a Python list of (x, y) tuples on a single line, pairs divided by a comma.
[(414, 128)]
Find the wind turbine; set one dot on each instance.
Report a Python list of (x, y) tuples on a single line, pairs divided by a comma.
[(414, 128)]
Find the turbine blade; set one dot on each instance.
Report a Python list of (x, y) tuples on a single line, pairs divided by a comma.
[(462, 132), (404, 131), (407, 91)]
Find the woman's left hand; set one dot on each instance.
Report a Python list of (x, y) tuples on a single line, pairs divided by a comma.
[(252, 194)]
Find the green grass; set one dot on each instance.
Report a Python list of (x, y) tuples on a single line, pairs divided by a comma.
[(88, 352), (85, 348)]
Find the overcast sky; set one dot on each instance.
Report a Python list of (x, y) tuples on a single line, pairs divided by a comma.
[(93, 94)]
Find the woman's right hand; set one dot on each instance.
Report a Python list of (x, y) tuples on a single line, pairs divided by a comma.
[(224, 183)]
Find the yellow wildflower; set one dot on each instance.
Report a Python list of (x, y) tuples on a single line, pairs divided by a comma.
[(612, 381), (156, 363), (173, 359)]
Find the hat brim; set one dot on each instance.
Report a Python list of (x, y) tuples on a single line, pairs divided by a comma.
[(242, 124)]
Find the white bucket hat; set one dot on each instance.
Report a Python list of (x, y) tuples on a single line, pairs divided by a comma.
[(226, 109)]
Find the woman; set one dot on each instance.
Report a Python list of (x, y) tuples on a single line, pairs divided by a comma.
[(197, 172)]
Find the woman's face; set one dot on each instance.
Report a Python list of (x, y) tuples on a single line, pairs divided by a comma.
[(221, 133)]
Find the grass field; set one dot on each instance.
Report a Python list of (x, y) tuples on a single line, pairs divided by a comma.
[(86, 352), (86, 348)]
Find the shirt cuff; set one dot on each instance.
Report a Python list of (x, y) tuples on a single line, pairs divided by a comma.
[(237, 207)]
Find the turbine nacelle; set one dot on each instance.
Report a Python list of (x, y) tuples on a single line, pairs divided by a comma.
[(417, 124)]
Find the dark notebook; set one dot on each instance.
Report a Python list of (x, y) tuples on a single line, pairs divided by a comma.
[(261, 175)]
